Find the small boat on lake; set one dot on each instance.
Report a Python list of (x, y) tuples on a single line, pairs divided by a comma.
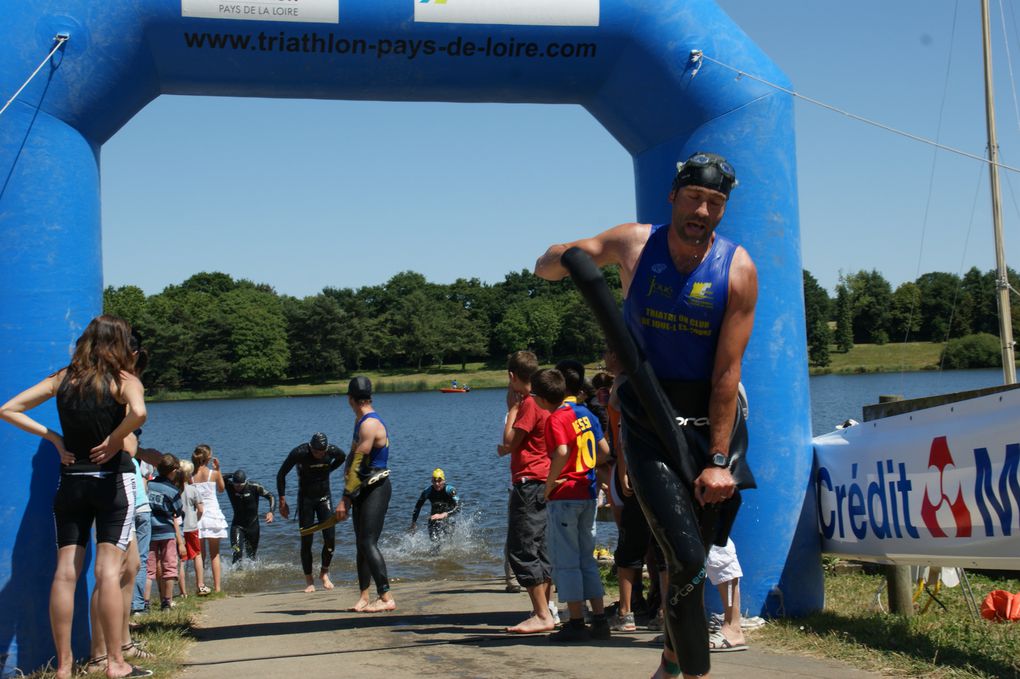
[(455, 390)]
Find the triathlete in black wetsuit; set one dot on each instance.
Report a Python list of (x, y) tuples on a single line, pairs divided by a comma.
[(444, 503), (244, 528), (314, 461)]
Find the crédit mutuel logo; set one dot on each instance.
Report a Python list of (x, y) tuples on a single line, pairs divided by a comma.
[(882, 503), (940, 458)]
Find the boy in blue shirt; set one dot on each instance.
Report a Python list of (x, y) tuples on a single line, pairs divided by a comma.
[(167, 541)]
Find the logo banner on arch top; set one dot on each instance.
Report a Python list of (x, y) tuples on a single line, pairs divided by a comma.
[(304, 11), (513, 12), (939, 486)]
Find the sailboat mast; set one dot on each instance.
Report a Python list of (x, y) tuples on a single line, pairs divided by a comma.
[(1001, 277)]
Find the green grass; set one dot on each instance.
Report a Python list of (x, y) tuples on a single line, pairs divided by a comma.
[(166, 634), (936, 643), (891, 357), (863, 358)]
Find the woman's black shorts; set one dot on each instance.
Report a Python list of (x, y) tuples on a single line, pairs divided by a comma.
[(107, 500)]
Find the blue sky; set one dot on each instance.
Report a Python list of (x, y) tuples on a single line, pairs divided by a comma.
[(303, 194)]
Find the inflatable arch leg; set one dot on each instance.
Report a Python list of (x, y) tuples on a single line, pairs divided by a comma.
[(50, 286)]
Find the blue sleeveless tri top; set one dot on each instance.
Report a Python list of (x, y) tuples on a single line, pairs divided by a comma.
[(379, 457), (675, 317)]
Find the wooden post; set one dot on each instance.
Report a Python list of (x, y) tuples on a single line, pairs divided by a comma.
[(897, 578)]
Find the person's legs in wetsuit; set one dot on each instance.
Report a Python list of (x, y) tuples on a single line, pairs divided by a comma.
[(369, 512), (675, 522), (310, 512), (237, 542), (252, 534), (244, 540)]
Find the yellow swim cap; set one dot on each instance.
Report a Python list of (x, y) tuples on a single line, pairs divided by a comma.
[(437, 473)]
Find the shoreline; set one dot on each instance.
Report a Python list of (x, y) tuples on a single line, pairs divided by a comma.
[(862, 359)]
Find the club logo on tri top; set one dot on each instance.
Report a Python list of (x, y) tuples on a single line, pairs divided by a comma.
[(701, 295)]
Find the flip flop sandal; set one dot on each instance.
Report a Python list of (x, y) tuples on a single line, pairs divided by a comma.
[(133, 650), (138, 672), (717, 643), (96, 664), (204, 591)]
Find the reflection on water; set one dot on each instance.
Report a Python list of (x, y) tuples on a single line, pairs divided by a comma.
[(457, 432)]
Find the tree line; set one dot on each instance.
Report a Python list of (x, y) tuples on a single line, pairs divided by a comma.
[(937, 307), (212, 331)]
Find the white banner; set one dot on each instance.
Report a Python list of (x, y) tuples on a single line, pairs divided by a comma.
[(303, 11), (514, 12), (937, 486)]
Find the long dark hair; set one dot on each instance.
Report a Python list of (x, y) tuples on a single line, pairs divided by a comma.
[(102, 351)]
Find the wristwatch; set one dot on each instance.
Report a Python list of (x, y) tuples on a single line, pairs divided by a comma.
[(719, 460)]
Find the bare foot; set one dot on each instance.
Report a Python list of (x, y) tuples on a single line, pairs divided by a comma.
[(309, 589), (359, 607), (662, 672), (115, 669), (326, 582), (533, 625), (380, 606)]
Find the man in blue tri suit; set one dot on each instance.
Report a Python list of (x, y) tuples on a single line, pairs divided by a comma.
[(367, 493), (443, 503), (689, 300)]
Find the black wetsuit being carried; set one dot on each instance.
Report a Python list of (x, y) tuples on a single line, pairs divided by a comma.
[(315, 502), (244, 527), (444, 500)]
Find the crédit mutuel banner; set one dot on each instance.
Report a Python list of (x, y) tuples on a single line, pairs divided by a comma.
[(937, 486)]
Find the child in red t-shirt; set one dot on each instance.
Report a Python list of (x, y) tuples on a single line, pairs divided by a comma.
[(576, 446), (524, 442)]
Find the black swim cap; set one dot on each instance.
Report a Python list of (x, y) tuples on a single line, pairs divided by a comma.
[(360, 387), (707, 170), (240, 478), (319, 441)]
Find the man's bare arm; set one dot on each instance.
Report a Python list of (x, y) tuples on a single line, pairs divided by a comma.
[(734, 335), (619, 245)]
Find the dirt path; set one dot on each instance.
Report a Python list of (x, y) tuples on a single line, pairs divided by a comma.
[(444, 628)]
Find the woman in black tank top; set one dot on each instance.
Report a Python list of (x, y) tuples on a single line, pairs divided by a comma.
[(99, 402)]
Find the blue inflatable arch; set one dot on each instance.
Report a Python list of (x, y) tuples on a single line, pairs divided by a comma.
[(626, 61)]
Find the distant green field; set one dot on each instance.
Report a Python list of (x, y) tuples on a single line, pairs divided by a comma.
[(881, 358), (863, 358)]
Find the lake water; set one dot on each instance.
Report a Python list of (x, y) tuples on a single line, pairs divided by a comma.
[(457, 432)]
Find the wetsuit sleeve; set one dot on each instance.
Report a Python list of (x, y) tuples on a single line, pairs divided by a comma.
[(281, 476), (338, 457), (260, 489), (421, 503), (452, 493)]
